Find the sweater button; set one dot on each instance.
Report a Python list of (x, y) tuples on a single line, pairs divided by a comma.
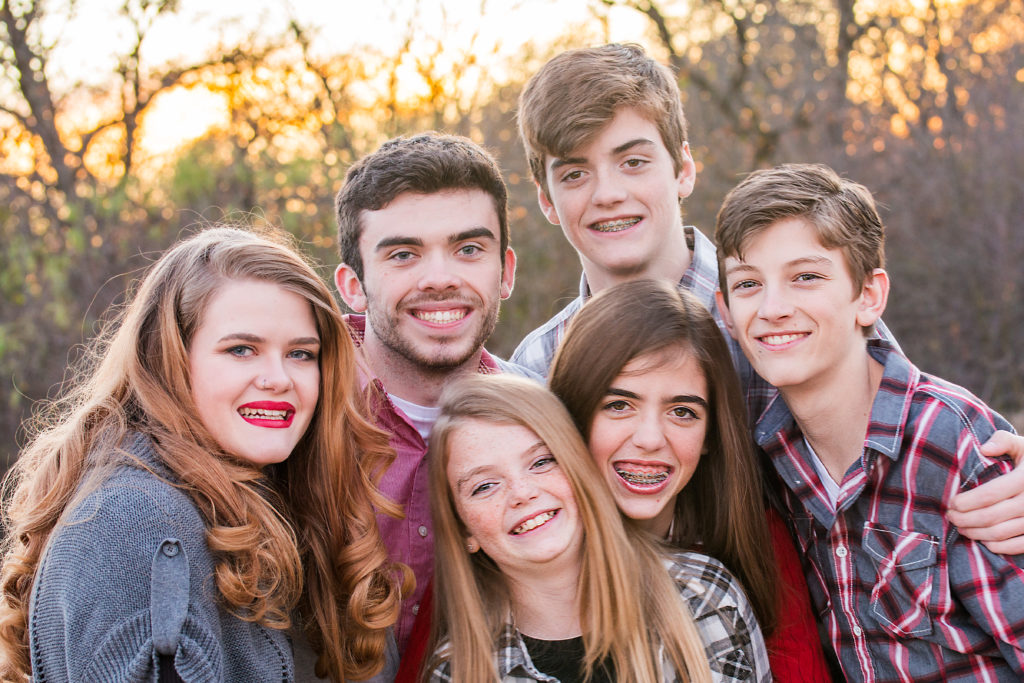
[(170, 549)]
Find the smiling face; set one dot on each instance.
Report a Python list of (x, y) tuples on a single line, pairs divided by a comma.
[(617, 201), (795, 310), (254, 369), (513, 498), (648, 434), (434, 275)]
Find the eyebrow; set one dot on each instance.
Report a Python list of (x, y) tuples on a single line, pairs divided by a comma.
[(803, 260), (476, 233), (256, 339), (679, 398), (472, 234), (625, 146)]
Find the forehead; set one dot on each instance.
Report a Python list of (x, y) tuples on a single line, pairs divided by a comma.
[(628, 126), (426, 218), (674, 365), (474, 443), (242, 306), (785, 237)]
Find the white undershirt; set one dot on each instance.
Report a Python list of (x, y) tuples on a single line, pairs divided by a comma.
[(831, 487), (422, 417)]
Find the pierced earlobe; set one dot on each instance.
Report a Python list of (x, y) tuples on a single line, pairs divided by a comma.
[(471, 546)]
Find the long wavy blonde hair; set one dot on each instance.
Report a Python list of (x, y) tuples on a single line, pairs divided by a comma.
[(629, 606), (301, 534)]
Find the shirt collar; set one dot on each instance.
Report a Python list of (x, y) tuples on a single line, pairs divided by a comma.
[(702, 262), (512, 655), (888, 410)]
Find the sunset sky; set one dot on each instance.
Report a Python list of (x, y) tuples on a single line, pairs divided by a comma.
[(89, 44)]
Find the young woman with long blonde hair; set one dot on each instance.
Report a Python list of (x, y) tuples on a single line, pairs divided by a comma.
[(536, 577), (204, 480)]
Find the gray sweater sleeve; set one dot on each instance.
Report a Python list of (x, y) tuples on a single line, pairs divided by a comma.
[(126, 577)]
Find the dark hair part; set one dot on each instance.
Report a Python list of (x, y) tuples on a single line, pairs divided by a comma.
[(578, 92), (842, 212), (721, 510), (427, 163)]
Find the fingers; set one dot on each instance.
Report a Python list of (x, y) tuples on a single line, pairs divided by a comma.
[(1005, 443), (1006, 488)]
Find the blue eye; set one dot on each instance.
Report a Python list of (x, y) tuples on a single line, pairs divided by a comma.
[(302, 354), (240, 350), (545, 462), (482, 488)]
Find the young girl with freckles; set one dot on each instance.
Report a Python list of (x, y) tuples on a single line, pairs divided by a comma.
[(537, 579), (204, 480), (647, 376)]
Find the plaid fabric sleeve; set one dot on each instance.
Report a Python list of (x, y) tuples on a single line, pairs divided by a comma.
[(723, 615)]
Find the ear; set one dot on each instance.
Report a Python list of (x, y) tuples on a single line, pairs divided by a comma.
[(508, 275), (723, 310), (873, 296), (471, 545), (350, 288), (545, 205), (687, 172)]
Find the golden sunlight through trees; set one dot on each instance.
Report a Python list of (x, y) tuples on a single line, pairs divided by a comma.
[(123, 123)]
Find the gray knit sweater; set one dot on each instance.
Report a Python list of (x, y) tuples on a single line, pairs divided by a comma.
[(126, 577)]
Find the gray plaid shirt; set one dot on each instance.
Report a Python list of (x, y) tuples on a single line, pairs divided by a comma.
[(725, 620)]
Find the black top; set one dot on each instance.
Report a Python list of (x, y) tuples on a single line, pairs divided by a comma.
[(563, 659)]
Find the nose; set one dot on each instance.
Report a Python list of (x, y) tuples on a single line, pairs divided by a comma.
[(608, 190), (273, 376), (522, 490), (649, 434), (438, 273), (774, 304)]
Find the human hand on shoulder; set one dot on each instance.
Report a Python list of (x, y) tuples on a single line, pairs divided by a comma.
[(993, 513)]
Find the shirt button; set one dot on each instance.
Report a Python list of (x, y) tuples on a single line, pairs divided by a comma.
[(841, 551), (170, 549), (857, 631), (423, 531), (416, 608)]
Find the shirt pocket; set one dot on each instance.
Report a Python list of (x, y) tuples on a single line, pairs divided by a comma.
[(905, 565)]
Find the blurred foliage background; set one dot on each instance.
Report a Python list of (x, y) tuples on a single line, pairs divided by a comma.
[(921, 100)]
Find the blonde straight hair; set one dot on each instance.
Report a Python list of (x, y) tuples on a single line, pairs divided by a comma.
[(630, 608)]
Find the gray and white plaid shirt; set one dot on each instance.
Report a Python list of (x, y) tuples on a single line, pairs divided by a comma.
[(732, 638)]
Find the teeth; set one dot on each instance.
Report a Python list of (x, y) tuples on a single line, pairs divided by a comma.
[(642, 478), (263, 413), (779, 339), (533, 523), (615, 226), (440, 317)]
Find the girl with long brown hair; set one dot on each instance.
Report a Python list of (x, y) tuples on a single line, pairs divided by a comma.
[(649, 381), (536, 577), (206, 479)]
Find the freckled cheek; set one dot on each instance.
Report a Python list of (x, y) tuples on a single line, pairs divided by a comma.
[(480, 520)]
